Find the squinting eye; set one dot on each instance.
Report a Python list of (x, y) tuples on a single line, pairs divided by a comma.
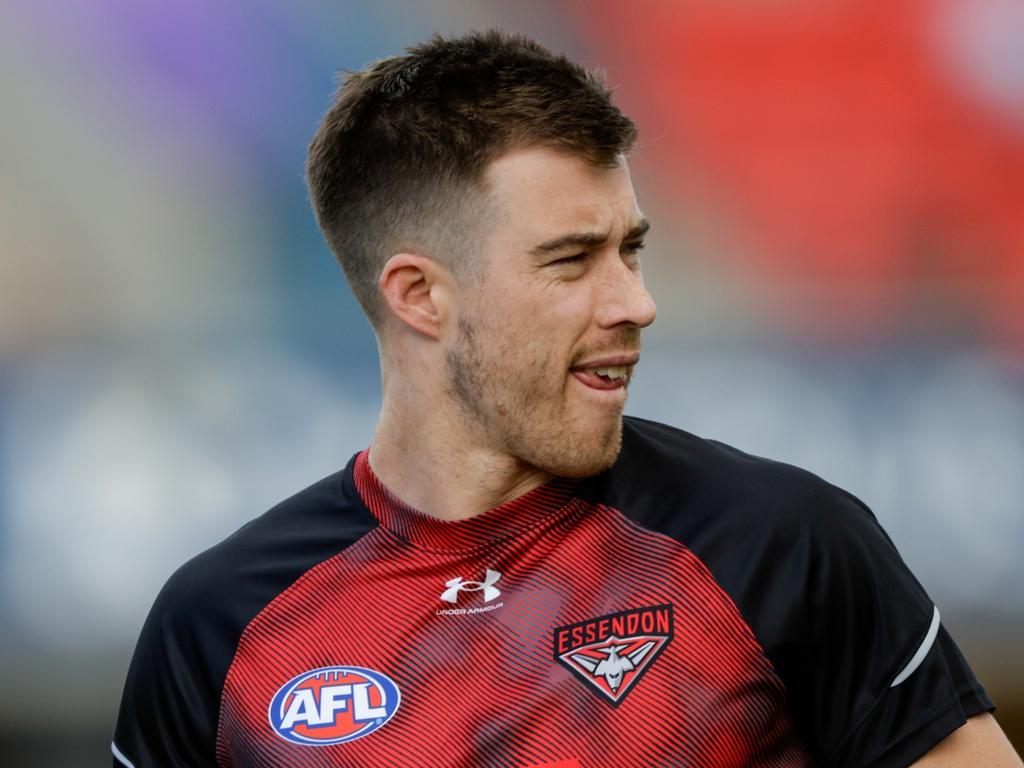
[(571, 259), (631, 251)]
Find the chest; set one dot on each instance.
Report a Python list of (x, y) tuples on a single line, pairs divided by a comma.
[(582, 643)]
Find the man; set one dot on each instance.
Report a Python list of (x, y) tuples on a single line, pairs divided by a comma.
[(513, 575)]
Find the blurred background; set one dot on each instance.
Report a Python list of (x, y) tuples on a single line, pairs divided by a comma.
[(837, 190)]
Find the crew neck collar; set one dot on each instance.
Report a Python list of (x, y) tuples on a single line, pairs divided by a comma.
[(493, 525)]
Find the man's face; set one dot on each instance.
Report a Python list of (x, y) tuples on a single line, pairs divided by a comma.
[(548, 334)]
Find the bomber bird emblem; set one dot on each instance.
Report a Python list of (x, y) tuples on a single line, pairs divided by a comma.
[(613, 668)]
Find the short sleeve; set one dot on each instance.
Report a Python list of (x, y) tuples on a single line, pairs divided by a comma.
[(884, 680), (169, 707), (871, 676), (170, 710)]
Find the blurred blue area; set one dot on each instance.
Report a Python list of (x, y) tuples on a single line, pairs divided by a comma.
[(179, 350)]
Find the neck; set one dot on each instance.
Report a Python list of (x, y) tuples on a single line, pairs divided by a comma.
[(425, 456)]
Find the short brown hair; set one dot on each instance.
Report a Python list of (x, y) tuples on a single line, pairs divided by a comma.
[(399, 159)]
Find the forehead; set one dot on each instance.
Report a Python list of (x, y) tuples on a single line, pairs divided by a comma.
[(540, 193)]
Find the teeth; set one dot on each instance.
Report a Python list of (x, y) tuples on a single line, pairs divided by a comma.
[(612, 372)]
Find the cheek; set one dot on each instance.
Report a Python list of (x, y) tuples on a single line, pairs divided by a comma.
[(535, 346), (531, 335), (556, 318)]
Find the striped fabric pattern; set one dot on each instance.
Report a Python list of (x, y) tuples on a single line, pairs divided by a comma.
[(482, 688)]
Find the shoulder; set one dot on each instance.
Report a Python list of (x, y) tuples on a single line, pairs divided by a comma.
[(751, 520), (170, 704), (235, 578), (781, 541), (689, 486), (820, 584)]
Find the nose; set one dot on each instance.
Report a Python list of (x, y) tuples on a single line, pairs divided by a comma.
[(624, 299)]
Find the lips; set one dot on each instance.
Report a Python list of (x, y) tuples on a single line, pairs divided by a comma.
[(606, 373), (596, 381)]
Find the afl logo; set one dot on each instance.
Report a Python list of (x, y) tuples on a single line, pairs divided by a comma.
[(332, 705)]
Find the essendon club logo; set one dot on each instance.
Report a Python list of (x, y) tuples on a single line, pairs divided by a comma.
[(611, 653)]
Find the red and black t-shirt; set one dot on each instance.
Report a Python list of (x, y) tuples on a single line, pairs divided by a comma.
[(692, 606)]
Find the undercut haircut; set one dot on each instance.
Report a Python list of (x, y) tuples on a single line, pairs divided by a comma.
[(398, 162)]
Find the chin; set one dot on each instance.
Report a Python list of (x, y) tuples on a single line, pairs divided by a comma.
[(581, 454)]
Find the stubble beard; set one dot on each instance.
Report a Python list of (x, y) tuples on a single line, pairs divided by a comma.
[(518, 410)]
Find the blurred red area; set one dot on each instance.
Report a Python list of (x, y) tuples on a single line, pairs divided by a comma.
[(859, 148)]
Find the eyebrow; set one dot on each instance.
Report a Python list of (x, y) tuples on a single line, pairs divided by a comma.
[(587, 239)]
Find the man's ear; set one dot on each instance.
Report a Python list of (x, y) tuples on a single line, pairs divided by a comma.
[(416, 291)]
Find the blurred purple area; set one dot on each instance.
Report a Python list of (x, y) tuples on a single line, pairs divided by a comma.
[(179, 351)]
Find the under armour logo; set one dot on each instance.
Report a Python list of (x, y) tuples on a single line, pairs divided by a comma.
[(456, 585)]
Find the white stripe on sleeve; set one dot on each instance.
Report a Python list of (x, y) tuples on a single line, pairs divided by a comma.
[(120, 757), (922, 651)]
